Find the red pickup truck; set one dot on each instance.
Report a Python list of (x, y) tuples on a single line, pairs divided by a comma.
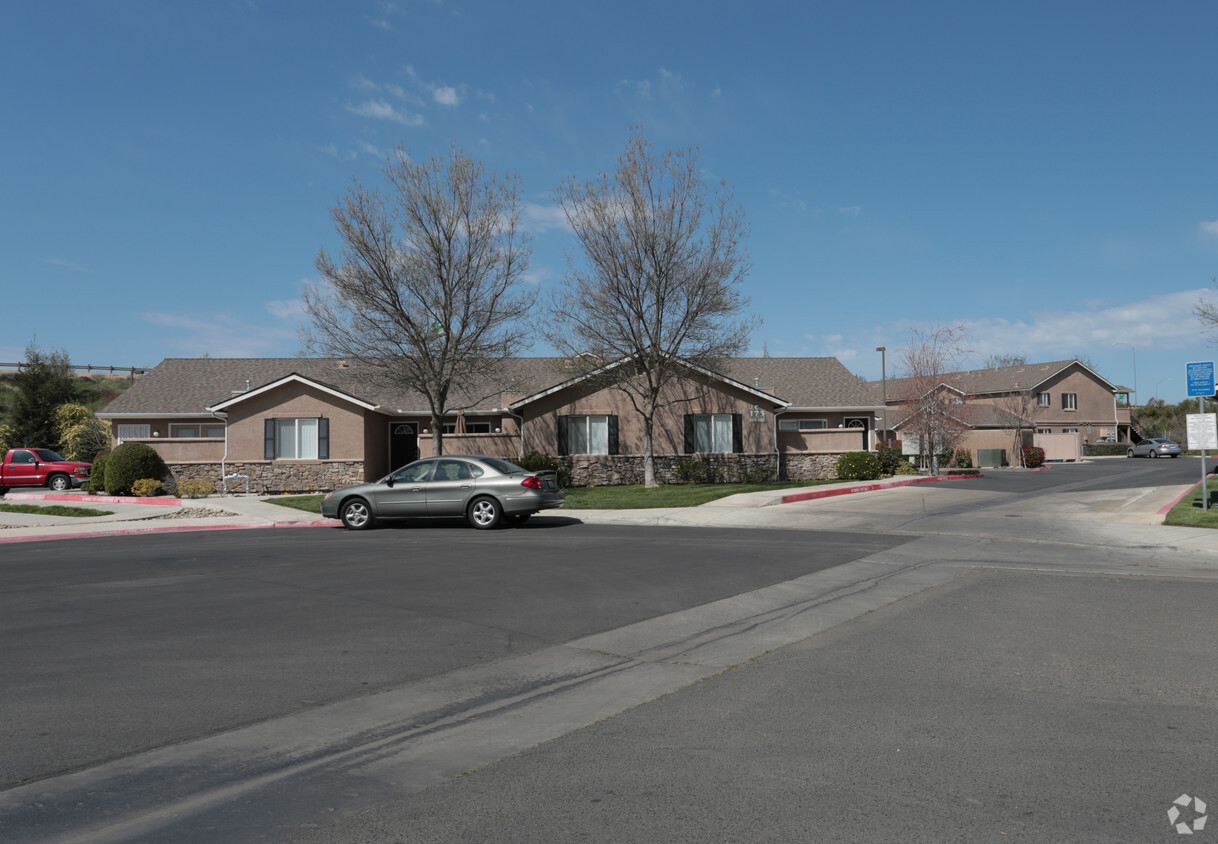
[(41, 467)]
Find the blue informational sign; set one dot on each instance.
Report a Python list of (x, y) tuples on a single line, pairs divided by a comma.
[(1201, 378)]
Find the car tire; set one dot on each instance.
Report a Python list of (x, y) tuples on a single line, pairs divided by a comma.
[(519, 518), (356, 514), (485, 513), (1152, 454), (1129, 453), (1175, 455), (59, 483)]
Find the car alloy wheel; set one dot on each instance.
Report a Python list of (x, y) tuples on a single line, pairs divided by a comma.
[(1129, 453), (59, 483), (484, 513), (356, 515), (1153, 453)]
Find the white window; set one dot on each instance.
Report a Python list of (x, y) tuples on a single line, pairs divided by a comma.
[(1044, 399), (713, 433), (134, 432), (1069, 401), (802, 424), (193, 430), (1069, 430), (470, 427), (588, 434), (296, 439), (1044, 430)]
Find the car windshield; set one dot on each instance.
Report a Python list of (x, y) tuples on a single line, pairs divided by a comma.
[(46, 455), (503, 467)]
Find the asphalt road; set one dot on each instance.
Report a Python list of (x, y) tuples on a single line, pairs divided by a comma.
[(315, 685), (132, 643)]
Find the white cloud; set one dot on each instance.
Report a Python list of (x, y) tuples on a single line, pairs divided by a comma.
[(543, 218), (69, 265), (1210, 227), (1164, 321), (381, 110), (850, 210), (223, 335), (286, 308), (446, 95)]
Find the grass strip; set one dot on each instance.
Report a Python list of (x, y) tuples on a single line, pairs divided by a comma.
[(1188, 512), (53, 510), (631, 497)]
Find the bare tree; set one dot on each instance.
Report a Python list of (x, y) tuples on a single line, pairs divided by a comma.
[(935, 413), (1018, 408), (426, 292), (660, 281), (1206, 310)]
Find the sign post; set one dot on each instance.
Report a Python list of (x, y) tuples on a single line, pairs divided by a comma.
[(1200, 378)]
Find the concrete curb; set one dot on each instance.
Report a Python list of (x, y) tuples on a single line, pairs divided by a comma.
[(131, 531), (892, 484), (90, 499)]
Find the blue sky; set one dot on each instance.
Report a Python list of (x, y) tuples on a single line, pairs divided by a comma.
[(1042, 173)]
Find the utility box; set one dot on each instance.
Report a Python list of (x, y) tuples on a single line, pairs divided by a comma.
[(990, 458)]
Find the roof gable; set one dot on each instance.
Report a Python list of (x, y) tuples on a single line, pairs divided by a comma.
[(293, 378)]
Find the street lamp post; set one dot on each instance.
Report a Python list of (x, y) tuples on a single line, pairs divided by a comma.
[(884, 387), (1135, 369)]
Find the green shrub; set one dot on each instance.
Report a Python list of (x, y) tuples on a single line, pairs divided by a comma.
[(1105, 449), (890, 456), (1033, 456), (97, 475), (698, 472), (131, 462), (905, 468), (537, 462), (195, 488), (858, 466), (959, 458), (146, 487)]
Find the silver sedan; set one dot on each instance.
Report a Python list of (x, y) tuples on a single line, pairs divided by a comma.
[(484, 490), (1154, 447)]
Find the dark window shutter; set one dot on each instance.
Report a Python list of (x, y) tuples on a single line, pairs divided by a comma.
[(689, 433), (613, 448), (737, 433), (563, 441), (323, 438), (268, 439)]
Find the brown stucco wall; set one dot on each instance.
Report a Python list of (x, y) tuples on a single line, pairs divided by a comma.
[(295, 401), (541, 419)]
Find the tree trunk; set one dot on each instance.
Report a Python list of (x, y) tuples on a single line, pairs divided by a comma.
[(649, 462), (437, 435)]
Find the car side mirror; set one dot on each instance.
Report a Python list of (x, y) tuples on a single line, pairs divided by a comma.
[(389, 481)]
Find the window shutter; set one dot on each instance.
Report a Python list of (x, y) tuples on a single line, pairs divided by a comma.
[(689, 434), (563, 441), (323, 438), (613, 447), (737, 433), (268, 439)]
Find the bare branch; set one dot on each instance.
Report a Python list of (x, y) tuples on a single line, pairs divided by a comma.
[(660, 278), (426, 292)]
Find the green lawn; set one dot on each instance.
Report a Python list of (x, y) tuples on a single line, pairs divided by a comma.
[(636, 497), (1188, 512), (53, 510), (308, 503)]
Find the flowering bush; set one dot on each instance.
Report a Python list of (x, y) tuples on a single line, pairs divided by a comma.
[(890, 457), (858, 466), (192, 488), (146, 488), (1033, 456)]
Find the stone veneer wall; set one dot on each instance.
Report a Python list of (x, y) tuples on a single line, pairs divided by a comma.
[(613, 470), (277, 475)]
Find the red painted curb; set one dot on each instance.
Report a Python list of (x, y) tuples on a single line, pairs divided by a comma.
[(830, 493), (4, 540), (96, 499), (1163, 511)]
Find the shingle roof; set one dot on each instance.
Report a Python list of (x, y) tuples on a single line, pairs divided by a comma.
[(190, 385), (999, 379)]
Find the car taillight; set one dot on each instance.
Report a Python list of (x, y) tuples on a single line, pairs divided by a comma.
[(532, 482)]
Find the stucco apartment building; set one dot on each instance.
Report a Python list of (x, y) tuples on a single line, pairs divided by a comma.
[(298, 424), (1061, 406)]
